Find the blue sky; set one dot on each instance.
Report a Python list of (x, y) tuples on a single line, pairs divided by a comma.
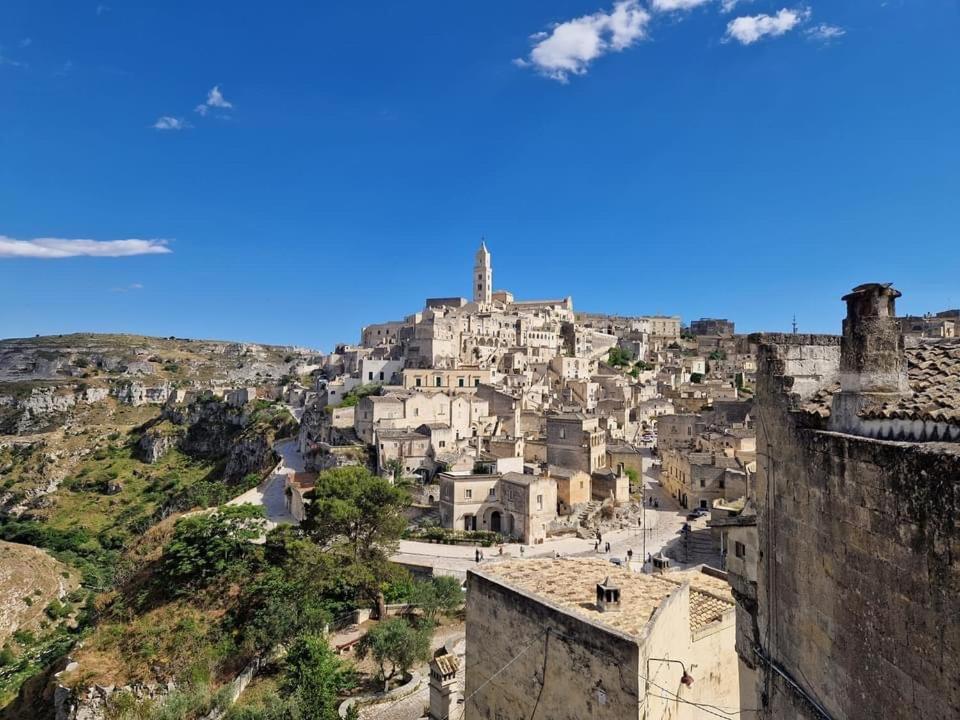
[(287, 172)]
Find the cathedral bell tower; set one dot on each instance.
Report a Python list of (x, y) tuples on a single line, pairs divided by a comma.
[(482, 276)]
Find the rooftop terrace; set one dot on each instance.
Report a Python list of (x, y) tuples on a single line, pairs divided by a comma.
[(571, 585)]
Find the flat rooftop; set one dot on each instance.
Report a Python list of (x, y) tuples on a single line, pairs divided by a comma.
[(571, 583)]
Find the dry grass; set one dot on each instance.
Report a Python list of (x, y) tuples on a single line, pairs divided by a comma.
[(29, 580)]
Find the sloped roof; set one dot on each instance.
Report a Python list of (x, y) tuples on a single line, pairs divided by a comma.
[(933, 374)]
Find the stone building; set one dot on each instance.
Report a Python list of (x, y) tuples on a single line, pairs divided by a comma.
[(461, 380), (611, 484), (514, 504), (483, 276), (677, 431), (575, 440), (585, 639), (410, 448), (850, 607), (298, 485), (712, 326), (696, 479), (573, 486), (928, 326)]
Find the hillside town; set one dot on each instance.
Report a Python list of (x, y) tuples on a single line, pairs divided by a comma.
[(559, 514), (754, 489)]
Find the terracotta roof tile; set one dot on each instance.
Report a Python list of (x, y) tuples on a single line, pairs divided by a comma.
[(933, 374)]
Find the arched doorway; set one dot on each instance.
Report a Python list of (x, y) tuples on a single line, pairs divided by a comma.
[(495, 521), (430, 499)]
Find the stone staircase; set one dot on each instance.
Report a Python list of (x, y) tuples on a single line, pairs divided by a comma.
[(589, 510)]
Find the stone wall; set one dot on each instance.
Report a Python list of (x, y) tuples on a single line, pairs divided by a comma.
[(858, 593), (502, 622)]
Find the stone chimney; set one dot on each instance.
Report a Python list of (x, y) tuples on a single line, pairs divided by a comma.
[(873, 367), (608, 596), (443, 685)]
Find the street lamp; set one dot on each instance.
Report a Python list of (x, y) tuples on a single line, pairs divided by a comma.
[(686, 678)]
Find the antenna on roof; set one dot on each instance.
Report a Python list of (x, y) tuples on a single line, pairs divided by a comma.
[(794, 323)]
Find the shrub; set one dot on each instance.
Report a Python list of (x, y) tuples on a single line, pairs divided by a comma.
[(7, 656), (209, 545)]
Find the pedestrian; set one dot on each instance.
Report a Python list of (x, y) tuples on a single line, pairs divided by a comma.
[(596, 546), (599, 536), (649, 557), (481, 555), (521, 551), (629, 555), (476, 554), (501, 550), (607, 547)]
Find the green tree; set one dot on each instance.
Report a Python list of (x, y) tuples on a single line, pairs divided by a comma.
[(619, 357), (7, 656), (358, 393), (357, 517), (696, 378), (441, 595), (303, 588), (396, 646), (208, 545), (316, 677), (395, 468)]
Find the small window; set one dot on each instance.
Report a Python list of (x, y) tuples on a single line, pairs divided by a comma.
[(381, 376), (722, 483), (416, 412), (539, 502), (461, 382), (439, 381), (443, 443), (476, 382), (369, 376), (739, 549), (468, 494), (418, 382), (563, 433), (493, 492), (703, 483), (703, 504)]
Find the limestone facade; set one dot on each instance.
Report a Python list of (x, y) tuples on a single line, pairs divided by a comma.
[(570, 659), (853, 610)]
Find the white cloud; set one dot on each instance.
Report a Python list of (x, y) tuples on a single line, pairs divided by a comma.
[(671, 5), (570, 47), (26, 42), (729, 5), (170, 123), (750, 28), (214, 99), (53, 248), (128, 288), (6, 60), (825, 32)]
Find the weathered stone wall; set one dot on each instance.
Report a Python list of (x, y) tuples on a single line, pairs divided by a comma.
[(858, 593), (567, 663)]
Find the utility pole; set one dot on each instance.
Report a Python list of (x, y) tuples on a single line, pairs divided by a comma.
[(643, 504)]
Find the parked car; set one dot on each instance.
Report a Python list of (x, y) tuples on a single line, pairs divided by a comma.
[(697, 513), (617, 561)]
